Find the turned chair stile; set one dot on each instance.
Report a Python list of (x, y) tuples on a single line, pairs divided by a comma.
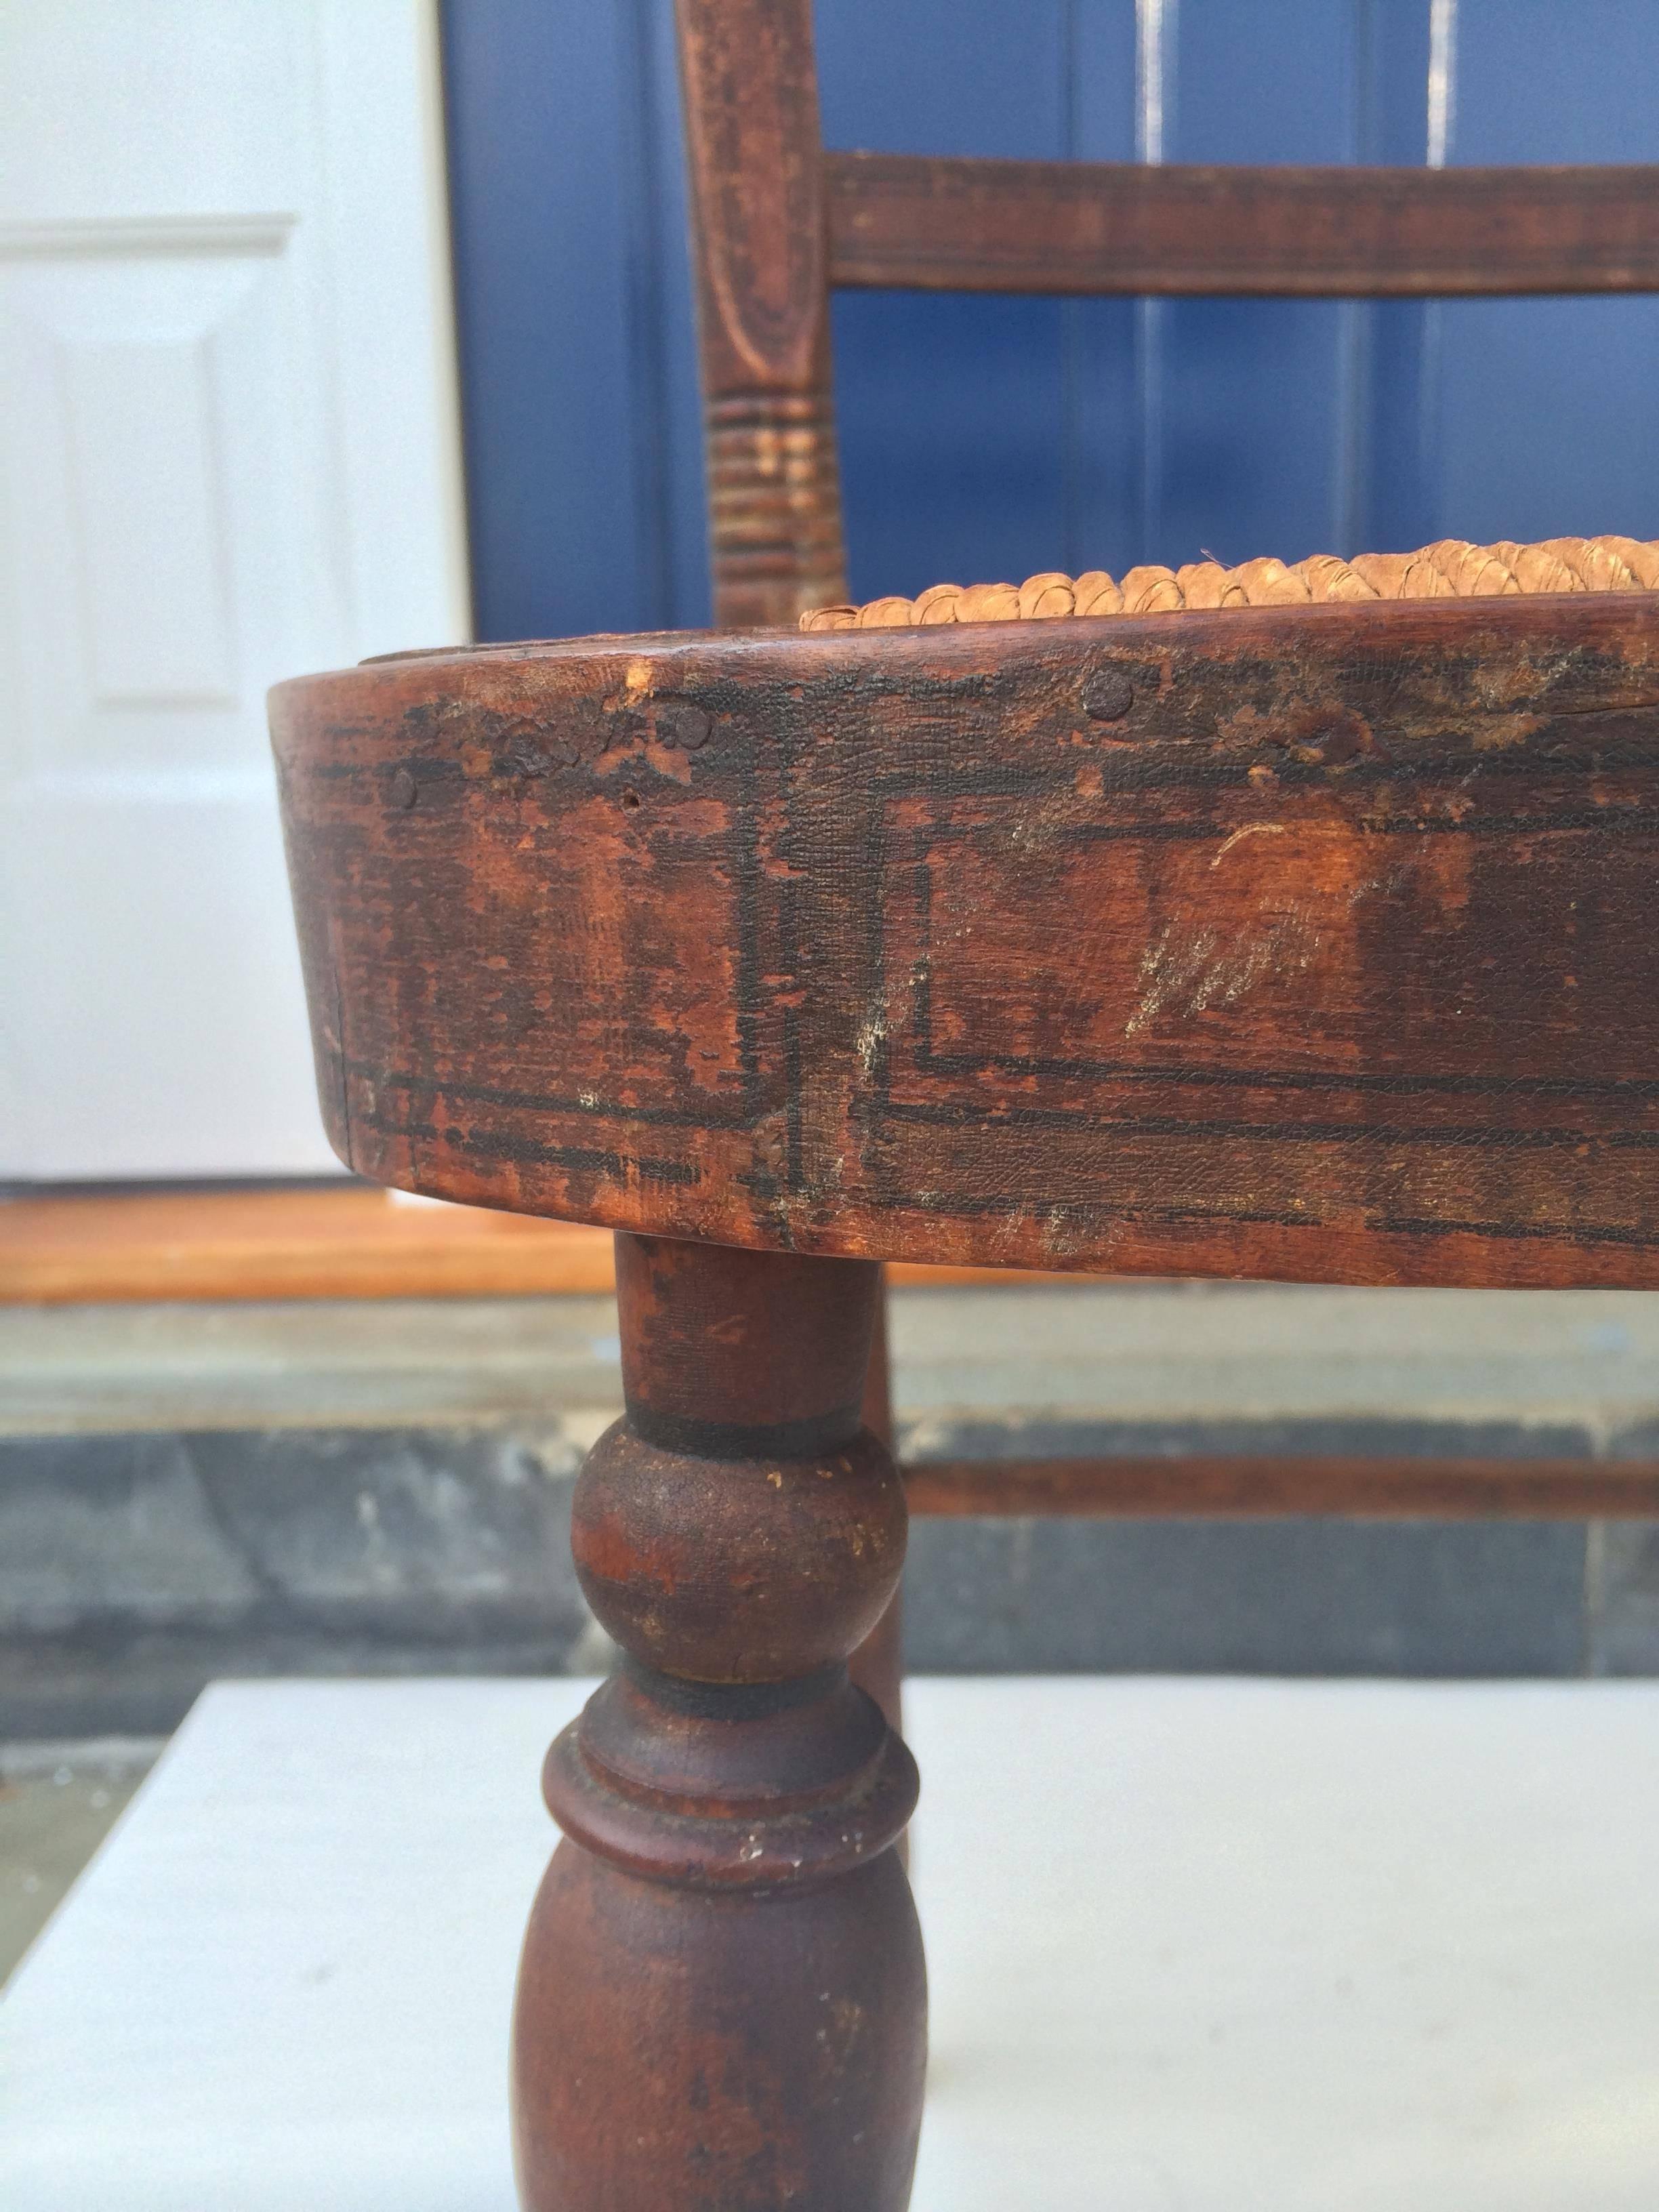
[(1280, 923)]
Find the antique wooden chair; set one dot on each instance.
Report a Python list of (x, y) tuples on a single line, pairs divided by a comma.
[(1264, 922)]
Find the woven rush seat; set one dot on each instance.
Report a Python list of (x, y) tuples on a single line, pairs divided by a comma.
[(1451, 569)]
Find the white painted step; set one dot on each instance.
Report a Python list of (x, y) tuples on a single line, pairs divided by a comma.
[(1196, 1947)]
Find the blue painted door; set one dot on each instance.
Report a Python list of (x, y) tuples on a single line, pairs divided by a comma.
[(985, 438)]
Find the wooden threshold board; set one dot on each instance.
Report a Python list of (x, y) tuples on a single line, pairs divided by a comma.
[(352, 1242)]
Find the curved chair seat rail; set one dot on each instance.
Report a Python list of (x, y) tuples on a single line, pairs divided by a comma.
[(1310, 941)]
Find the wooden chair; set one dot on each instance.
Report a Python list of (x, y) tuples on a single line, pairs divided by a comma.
[(1298, 930)]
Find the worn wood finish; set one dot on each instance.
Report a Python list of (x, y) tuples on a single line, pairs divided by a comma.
[(757, 230), (1361, 1487), (1309, 942), (878, 1665), (722, 1999), (941, 224)]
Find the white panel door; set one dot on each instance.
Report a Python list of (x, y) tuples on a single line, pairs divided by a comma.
[(229, 453)]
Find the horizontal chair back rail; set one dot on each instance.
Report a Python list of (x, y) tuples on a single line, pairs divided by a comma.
[(974, 225)]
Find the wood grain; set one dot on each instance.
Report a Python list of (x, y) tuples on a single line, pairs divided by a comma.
[(1309, 943), (306, 1243), (722, 2001), (939, 224)]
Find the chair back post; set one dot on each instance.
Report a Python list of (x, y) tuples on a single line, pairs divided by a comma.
[(759, 245), (756, 164)]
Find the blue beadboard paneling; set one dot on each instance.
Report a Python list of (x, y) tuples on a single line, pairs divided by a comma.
[(986, 437), (911, 77), (953, 411), (1109, 460), (1541, 422), (1390, 491), (578, 372), (666, 338), (1255, 393), (1540, 81)]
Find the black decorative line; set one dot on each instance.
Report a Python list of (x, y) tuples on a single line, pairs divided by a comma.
[(795, 1439), (383, 1128), (1279, 1078), (871, 1000), (789, 963), (502, 1146), (1615, 821), (580, 1159), (1096, 1215), (588, 1106), (747, 891), (1015, 1117), (792, 1079), (427, 769), (922, 999), (1129, 773), (1517, 1232)]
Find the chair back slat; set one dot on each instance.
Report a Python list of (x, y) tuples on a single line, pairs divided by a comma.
[(1099, 227)]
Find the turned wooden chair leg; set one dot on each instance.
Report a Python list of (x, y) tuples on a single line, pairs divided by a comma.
[(878, 1665), (721, 2005)]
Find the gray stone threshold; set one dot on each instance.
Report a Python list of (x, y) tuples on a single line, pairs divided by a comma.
[(188, 1491), (1136, 1352)]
